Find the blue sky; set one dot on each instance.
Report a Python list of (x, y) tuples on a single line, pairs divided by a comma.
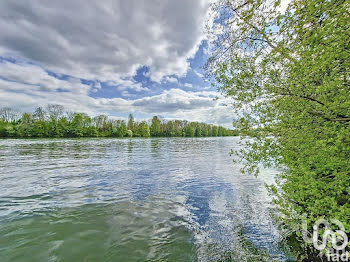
[(109, 57)]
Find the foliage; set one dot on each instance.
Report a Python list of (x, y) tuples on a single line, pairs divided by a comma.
[(155, 126), (288, 74), (131, 122), (55, 123), (142, 130)]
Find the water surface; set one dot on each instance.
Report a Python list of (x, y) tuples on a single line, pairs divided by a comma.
[(158, 199)]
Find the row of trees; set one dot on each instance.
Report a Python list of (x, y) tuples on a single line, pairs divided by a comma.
[(54, 122)]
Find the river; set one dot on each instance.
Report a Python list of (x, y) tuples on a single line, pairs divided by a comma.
[(157, 199)]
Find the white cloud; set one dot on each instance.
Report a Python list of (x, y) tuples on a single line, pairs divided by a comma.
[(97, 85), (104, 40), (170, 79), (175, 103), (126, 94), (37, 76), (198, 74), (124, 84)]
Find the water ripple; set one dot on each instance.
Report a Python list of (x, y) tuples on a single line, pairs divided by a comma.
[(178, 199)]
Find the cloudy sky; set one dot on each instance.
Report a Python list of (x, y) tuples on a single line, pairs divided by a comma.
[(113, 56)]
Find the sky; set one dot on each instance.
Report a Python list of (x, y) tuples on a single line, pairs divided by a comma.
[(111, 57)]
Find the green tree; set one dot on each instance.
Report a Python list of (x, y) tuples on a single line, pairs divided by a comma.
[(119, 128), (77, 125), (155, 126), (131, 122), (2, 128), (177, 128), (129, 133), (55, 112), (24, 128), (101, 122), (288, 73), (215, 131), (198, 130), (190, 130), (170, 129), (56, 124), (39, 114), (144, 130), (220, 131)]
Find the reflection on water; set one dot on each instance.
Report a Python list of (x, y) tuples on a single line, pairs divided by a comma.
[(129, 231), (156, 199)]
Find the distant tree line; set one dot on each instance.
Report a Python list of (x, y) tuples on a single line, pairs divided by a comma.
[(55, 122)]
